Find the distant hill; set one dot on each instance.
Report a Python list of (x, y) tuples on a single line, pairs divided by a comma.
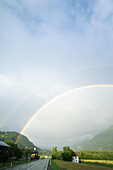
[(101, 141), (23, 141)]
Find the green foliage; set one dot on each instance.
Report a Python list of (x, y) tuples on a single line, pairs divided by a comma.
[(14, 151), (4, 156), (27, 153), (54, 153), (23, 140), (65, 155), (66, 148), (96, 155), (59, 155), (18, 153), (22, 143)]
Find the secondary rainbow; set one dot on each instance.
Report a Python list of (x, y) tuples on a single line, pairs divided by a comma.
[(56, 98), (13, 111)]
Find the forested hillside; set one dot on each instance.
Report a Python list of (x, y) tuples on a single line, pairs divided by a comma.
[(23, 141), (102, 141)]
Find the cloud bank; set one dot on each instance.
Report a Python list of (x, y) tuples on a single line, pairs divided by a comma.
[(46, 48)]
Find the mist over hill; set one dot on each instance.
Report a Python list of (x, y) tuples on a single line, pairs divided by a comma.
[(101, 141)]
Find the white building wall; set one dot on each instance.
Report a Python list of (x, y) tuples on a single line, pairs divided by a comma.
[(75, 159)]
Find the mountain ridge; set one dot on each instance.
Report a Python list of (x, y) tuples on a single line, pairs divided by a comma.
[(101, 141), (12, 136), (22, 142)]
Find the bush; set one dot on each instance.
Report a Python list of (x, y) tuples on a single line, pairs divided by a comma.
[(4, 156)]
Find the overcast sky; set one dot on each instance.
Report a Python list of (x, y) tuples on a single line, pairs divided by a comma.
[(46, 48)]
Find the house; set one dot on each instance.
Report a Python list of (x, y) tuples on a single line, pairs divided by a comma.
[(3, 151), (75, 158), (3, 146)]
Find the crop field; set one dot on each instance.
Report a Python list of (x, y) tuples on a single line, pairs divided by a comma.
[(63, 165), (99, 161)]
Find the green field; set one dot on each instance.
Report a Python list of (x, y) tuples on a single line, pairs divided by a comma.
[(63, 165)]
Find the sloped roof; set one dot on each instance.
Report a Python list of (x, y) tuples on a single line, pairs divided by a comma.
[(74, 154), (4, 144)]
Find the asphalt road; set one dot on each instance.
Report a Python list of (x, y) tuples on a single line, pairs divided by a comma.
[(41, 164)]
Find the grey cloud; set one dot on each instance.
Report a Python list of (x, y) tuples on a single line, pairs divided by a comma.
[(47, 48)]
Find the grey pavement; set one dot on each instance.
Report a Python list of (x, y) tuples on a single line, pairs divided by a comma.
[(41, 164)]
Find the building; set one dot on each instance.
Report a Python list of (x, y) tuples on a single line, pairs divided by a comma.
[(3, 151), (3, 146), (75, 158)]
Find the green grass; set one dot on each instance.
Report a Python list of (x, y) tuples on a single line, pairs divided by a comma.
[(4, 164), (54, 166), (98, 163), (63, 165)]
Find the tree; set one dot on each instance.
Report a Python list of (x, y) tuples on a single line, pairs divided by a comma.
[(66, 148), (4, 156), (18, 153), (67, 153), (14, 151), (59, 155), (54, 153), (27, 152)]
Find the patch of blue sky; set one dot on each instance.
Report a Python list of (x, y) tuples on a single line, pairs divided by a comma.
[(109, 19), (81, 8), (72, 9), (78, 15), (18, 9), (66, 16)]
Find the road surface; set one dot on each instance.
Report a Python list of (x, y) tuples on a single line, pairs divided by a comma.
[(41, 164)]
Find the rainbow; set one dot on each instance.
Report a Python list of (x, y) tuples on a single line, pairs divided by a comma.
[(68, 92), (12, 112)]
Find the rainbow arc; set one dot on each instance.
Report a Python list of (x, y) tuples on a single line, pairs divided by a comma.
[(68, 92)]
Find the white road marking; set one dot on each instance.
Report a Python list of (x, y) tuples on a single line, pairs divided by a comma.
[(47, 165), (32, 166)]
